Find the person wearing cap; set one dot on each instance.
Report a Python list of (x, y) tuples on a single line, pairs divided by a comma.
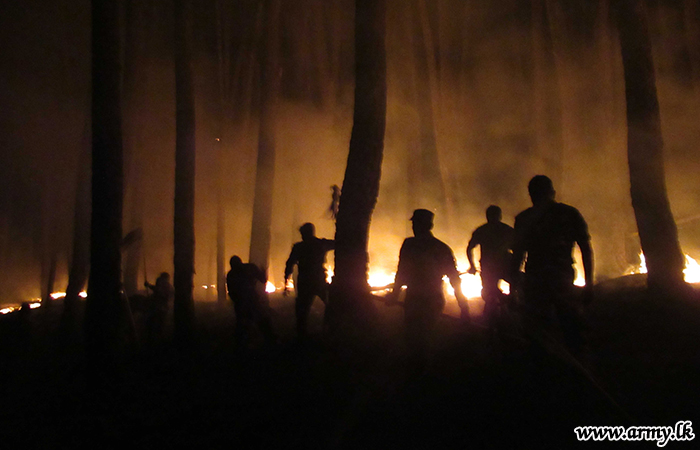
[(423, 261), (546, 233), (495, 240), (310, 256)]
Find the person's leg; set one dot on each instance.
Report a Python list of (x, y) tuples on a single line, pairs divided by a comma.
[(302, 308), (490, 293), (570, 315), (421, 316)]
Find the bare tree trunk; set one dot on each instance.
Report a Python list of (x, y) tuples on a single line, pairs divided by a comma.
[(265, 169), (363, 170), (101, 313), (428, 190), (49, 251), (49, 277), (133, 79), (547, 117), (183, 231), (223, 52), (657, 229), (80, 259)]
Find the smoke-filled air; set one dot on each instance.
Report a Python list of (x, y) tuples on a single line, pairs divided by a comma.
[(481, 96)]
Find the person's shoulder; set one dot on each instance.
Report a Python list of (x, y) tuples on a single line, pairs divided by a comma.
[(524, 214), (437, 243), (409, 241), (563, 208), (480, 229), (504, 226)]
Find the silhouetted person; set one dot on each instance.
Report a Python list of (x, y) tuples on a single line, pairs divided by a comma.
[(495, 240), (245, 284), (310, 256), (547, 232), (423, 261), (158, 306)]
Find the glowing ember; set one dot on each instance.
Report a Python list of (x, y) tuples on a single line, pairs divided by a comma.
[(9, 309), (270, 288), (57, 295)]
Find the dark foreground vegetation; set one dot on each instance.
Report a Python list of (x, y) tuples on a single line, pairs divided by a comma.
[(365, 393)]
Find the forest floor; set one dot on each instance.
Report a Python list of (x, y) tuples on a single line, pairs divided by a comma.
[(643, 369)]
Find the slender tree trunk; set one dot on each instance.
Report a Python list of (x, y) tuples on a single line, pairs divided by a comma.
[(49, 254), (547, 118), (50, 278), (265, 169), (80, 259), (133, 80), (657, 229), (220, 247), (101, 313), (223, 52), (428, 190), (183, 231), (363, 170)]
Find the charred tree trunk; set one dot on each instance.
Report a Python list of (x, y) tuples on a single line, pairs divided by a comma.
[(183, 232), (101, 313), (657, 230), (363, 170), (265, 169)]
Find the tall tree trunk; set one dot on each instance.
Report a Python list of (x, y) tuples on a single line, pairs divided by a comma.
[(133, 80), (101, 313), (80, 259), (223, 52), (183, 231), (657, 230), (429, 190), (547, 119), (363, 170), (49, 251), (265, 169)]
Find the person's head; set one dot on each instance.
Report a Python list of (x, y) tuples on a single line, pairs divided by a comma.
[(308, 231), (493, 214), (235, 261), (422, 221), (165, 276), (541, 189)]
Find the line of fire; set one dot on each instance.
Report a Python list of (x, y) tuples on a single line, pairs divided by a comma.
[(157, 155)]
